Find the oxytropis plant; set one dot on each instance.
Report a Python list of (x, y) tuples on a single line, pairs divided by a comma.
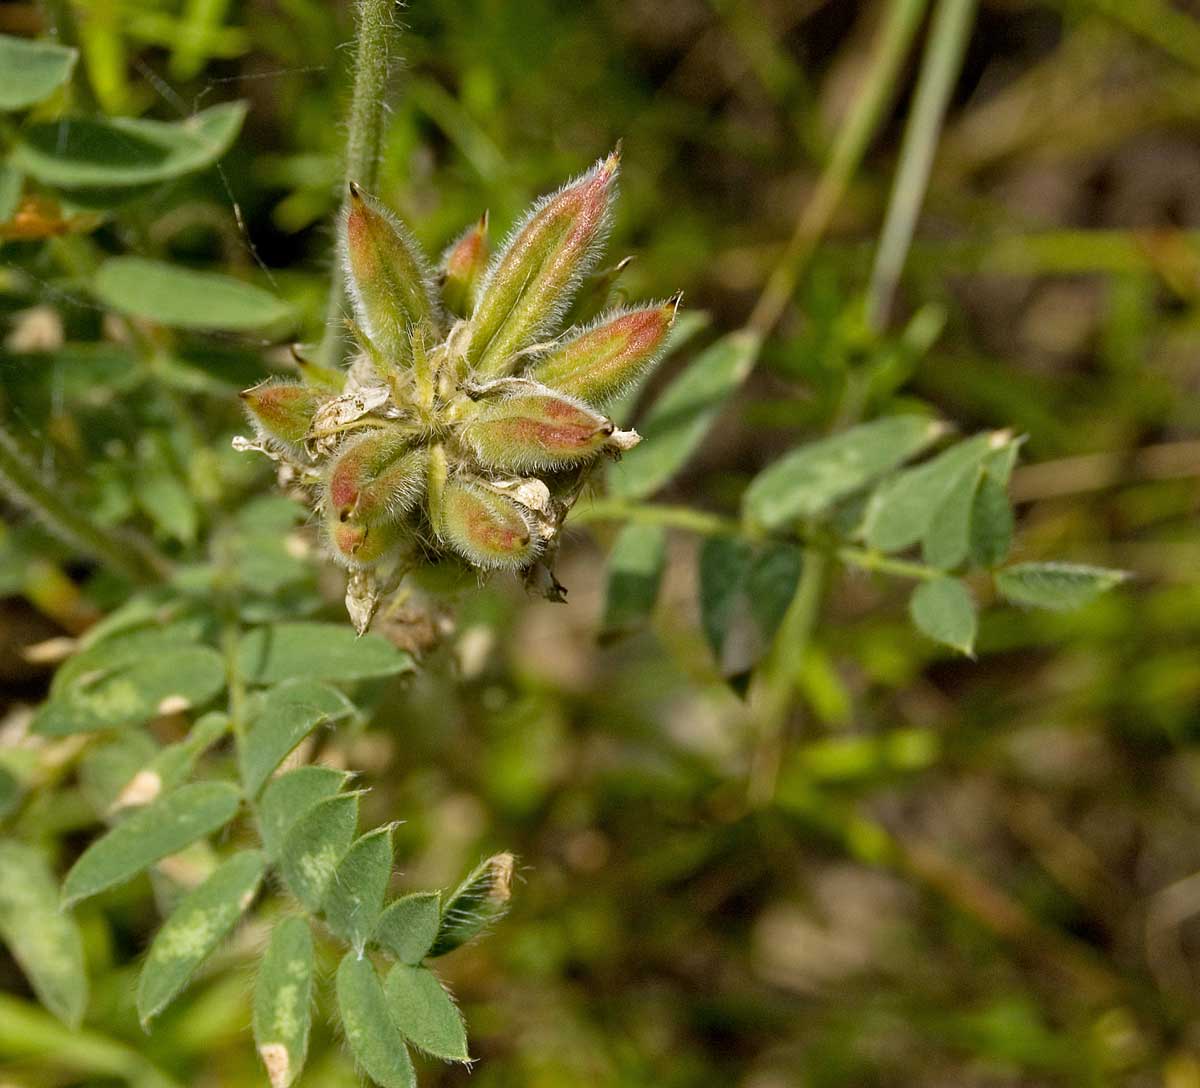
[(468, 422)]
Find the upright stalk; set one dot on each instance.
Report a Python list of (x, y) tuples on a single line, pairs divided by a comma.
[(866, 114), (939, 70), (372, 68), (21, 482)]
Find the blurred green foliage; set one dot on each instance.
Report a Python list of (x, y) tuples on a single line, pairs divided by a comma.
[(934, 871)]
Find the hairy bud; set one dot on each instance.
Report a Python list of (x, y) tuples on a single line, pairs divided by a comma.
[(388, 278), (378, 477), (481, 899), (283, 410), (525, 433), (467, 424), (531, 279), (462, 268), (485, 528), (602, 361)]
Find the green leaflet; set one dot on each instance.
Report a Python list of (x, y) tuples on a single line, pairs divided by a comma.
[(183, 298), (43, 939), (409, 926), (315, 844), (1057, 586), (171, 766), (945, 611), (635, 569), (10, 191), (355, 897), (900, 511), (289, 797), (425, 1013), (166, 680), (283, 1001), (991, 522), (197, 925), (744, 593), (290, 712), (165, 827), (316, 651), (679, 419), (811, 479), (31, 71), (372, 1034), (81, 153)]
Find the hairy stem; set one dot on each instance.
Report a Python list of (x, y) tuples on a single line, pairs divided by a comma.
[(372, 66), (939, 69), (128, 555)]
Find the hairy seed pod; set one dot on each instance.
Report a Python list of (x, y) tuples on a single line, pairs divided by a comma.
[(486, 529), (525, 433), (283, 410), (481, 899), (531, 280), (602, 361), (388, 278), (463, 266), (378, 477), (358, 545)]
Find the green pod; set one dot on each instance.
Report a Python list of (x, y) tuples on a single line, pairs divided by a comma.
[(283, 410), (483, 527), (531, 280), (531, 432), (602, 361), (358, 545), (378, 477), (463, 265), (481, 899), (387, 275)]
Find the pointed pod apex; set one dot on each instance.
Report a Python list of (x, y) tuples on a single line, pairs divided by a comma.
[(387, 275), (602, 360), (610, 165), (481, 899), (485, 528), (536, 431), (283, 410), (532, 280), (463, 266)]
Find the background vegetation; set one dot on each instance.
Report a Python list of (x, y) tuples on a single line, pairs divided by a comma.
[(936, 871)]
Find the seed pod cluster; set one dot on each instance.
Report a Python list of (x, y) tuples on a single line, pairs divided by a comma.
[(468, 422)]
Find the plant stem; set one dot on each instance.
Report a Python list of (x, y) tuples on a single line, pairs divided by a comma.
[(775, 678), (706, 524), (130, 556), (372, 68), (866, 114), (940, 66)]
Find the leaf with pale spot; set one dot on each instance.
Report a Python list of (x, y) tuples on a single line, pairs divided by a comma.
[(197, 925), (289, 797), (374, 1039), (283, 1001), (43, 939), (355, 897), (314, 846)]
